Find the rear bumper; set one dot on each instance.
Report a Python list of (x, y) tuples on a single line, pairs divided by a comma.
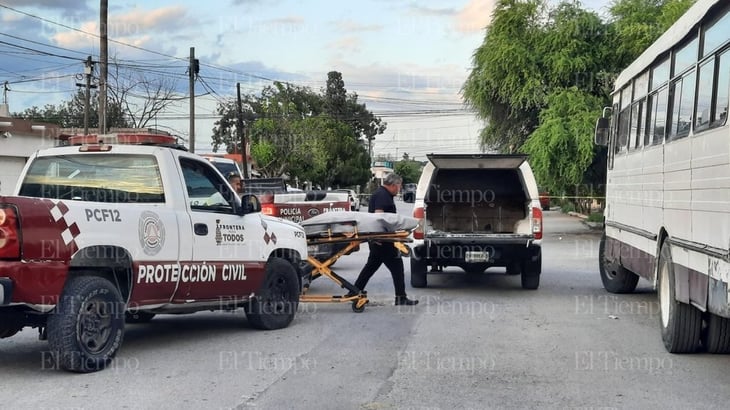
[(6, 291), (454, 251)]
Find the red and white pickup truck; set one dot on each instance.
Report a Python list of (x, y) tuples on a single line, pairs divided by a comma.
[(276, 200), (121, 227)]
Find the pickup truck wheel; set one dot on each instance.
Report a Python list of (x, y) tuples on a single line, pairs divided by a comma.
[(681, 323), (418, 273), (716, 338), (275, 304), (9, 330), (530, 281), (138, 316), (615, 278), (87, 327)]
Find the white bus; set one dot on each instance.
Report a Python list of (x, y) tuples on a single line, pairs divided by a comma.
[(667, 215)]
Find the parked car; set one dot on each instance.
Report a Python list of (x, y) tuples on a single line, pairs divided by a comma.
[(476, 212), (544, 199), (409, 192), (353, 197)]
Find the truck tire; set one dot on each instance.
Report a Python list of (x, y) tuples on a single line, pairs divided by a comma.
[(615, 278), (418, 273), (681, 323), (530, 282), (87, 327), (717, 337), (9, 330), (275, 304), (531, 270)]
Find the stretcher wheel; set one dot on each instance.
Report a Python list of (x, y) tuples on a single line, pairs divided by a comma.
[(356, 308)]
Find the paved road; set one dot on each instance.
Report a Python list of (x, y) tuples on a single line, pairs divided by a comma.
[(472, 343)]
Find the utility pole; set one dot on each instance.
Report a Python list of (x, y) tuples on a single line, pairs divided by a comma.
[(239, 131), (193, 70), (88, 69), (104, 61)]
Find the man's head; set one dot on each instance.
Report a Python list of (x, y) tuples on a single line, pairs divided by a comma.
[(235, 180), (392, 183)]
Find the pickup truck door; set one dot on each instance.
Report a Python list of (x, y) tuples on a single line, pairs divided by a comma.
[(223, 242)]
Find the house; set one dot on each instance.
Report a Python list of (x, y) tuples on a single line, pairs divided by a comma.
[(19, 139)]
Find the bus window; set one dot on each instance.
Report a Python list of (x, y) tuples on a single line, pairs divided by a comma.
[(716, 35), (623, 129), (659, 74), (685, 57), (704, 95), (658, 116), (683, 91), (723, 90), (637, 123)]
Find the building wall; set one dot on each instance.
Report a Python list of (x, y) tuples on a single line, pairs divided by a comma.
[(19, 139)]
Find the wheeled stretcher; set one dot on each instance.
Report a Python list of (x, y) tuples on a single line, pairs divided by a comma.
[(335, 234)]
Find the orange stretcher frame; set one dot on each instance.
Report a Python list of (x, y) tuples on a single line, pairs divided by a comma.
[(353, 238)]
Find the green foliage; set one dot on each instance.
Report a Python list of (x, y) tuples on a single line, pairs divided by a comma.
[(409, 170), (561, 148), (638, 23), (566, 206), (595, 217), (70, 114), (542, 74), (296, 131)]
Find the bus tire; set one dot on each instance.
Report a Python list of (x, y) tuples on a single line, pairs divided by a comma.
[(615, 278), (681, 323), (717, 337)]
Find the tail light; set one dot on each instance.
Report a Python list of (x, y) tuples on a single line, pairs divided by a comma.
[(267, 204), (9, 233), (420, 214), (537, 223)]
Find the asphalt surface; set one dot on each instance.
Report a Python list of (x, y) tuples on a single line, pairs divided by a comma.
[(474, 342)]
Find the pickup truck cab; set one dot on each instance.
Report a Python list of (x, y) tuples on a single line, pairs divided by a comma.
[(476, 212), (112, 230)]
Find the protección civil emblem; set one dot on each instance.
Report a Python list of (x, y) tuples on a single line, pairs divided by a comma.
[(151, 233)]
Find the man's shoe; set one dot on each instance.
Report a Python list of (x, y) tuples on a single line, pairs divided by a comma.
[(403, 300)]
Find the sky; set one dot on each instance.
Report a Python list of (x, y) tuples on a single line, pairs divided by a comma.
[(406, 60)]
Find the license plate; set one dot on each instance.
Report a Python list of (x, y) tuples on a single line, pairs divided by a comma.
[(476, 256)]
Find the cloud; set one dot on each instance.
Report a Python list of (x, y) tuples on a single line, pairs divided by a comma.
[(347, 44), (55, 4), (349, 26), (430, 11), (136, 27), (475, 16)]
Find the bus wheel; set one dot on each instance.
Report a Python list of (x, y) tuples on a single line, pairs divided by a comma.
[(717, 337), (615, 278), (681, 323)]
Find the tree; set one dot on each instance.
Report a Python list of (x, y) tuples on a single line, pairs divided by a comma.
[(344, 107), (142, 97), (295, 131), (638, 23), (561, 148), (70, 114), (537, 65), (409, 170), (504, 86)]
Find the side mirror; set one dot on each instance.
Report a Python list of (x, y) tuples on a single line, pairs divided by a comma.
[(250, 204), (602, 127)]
